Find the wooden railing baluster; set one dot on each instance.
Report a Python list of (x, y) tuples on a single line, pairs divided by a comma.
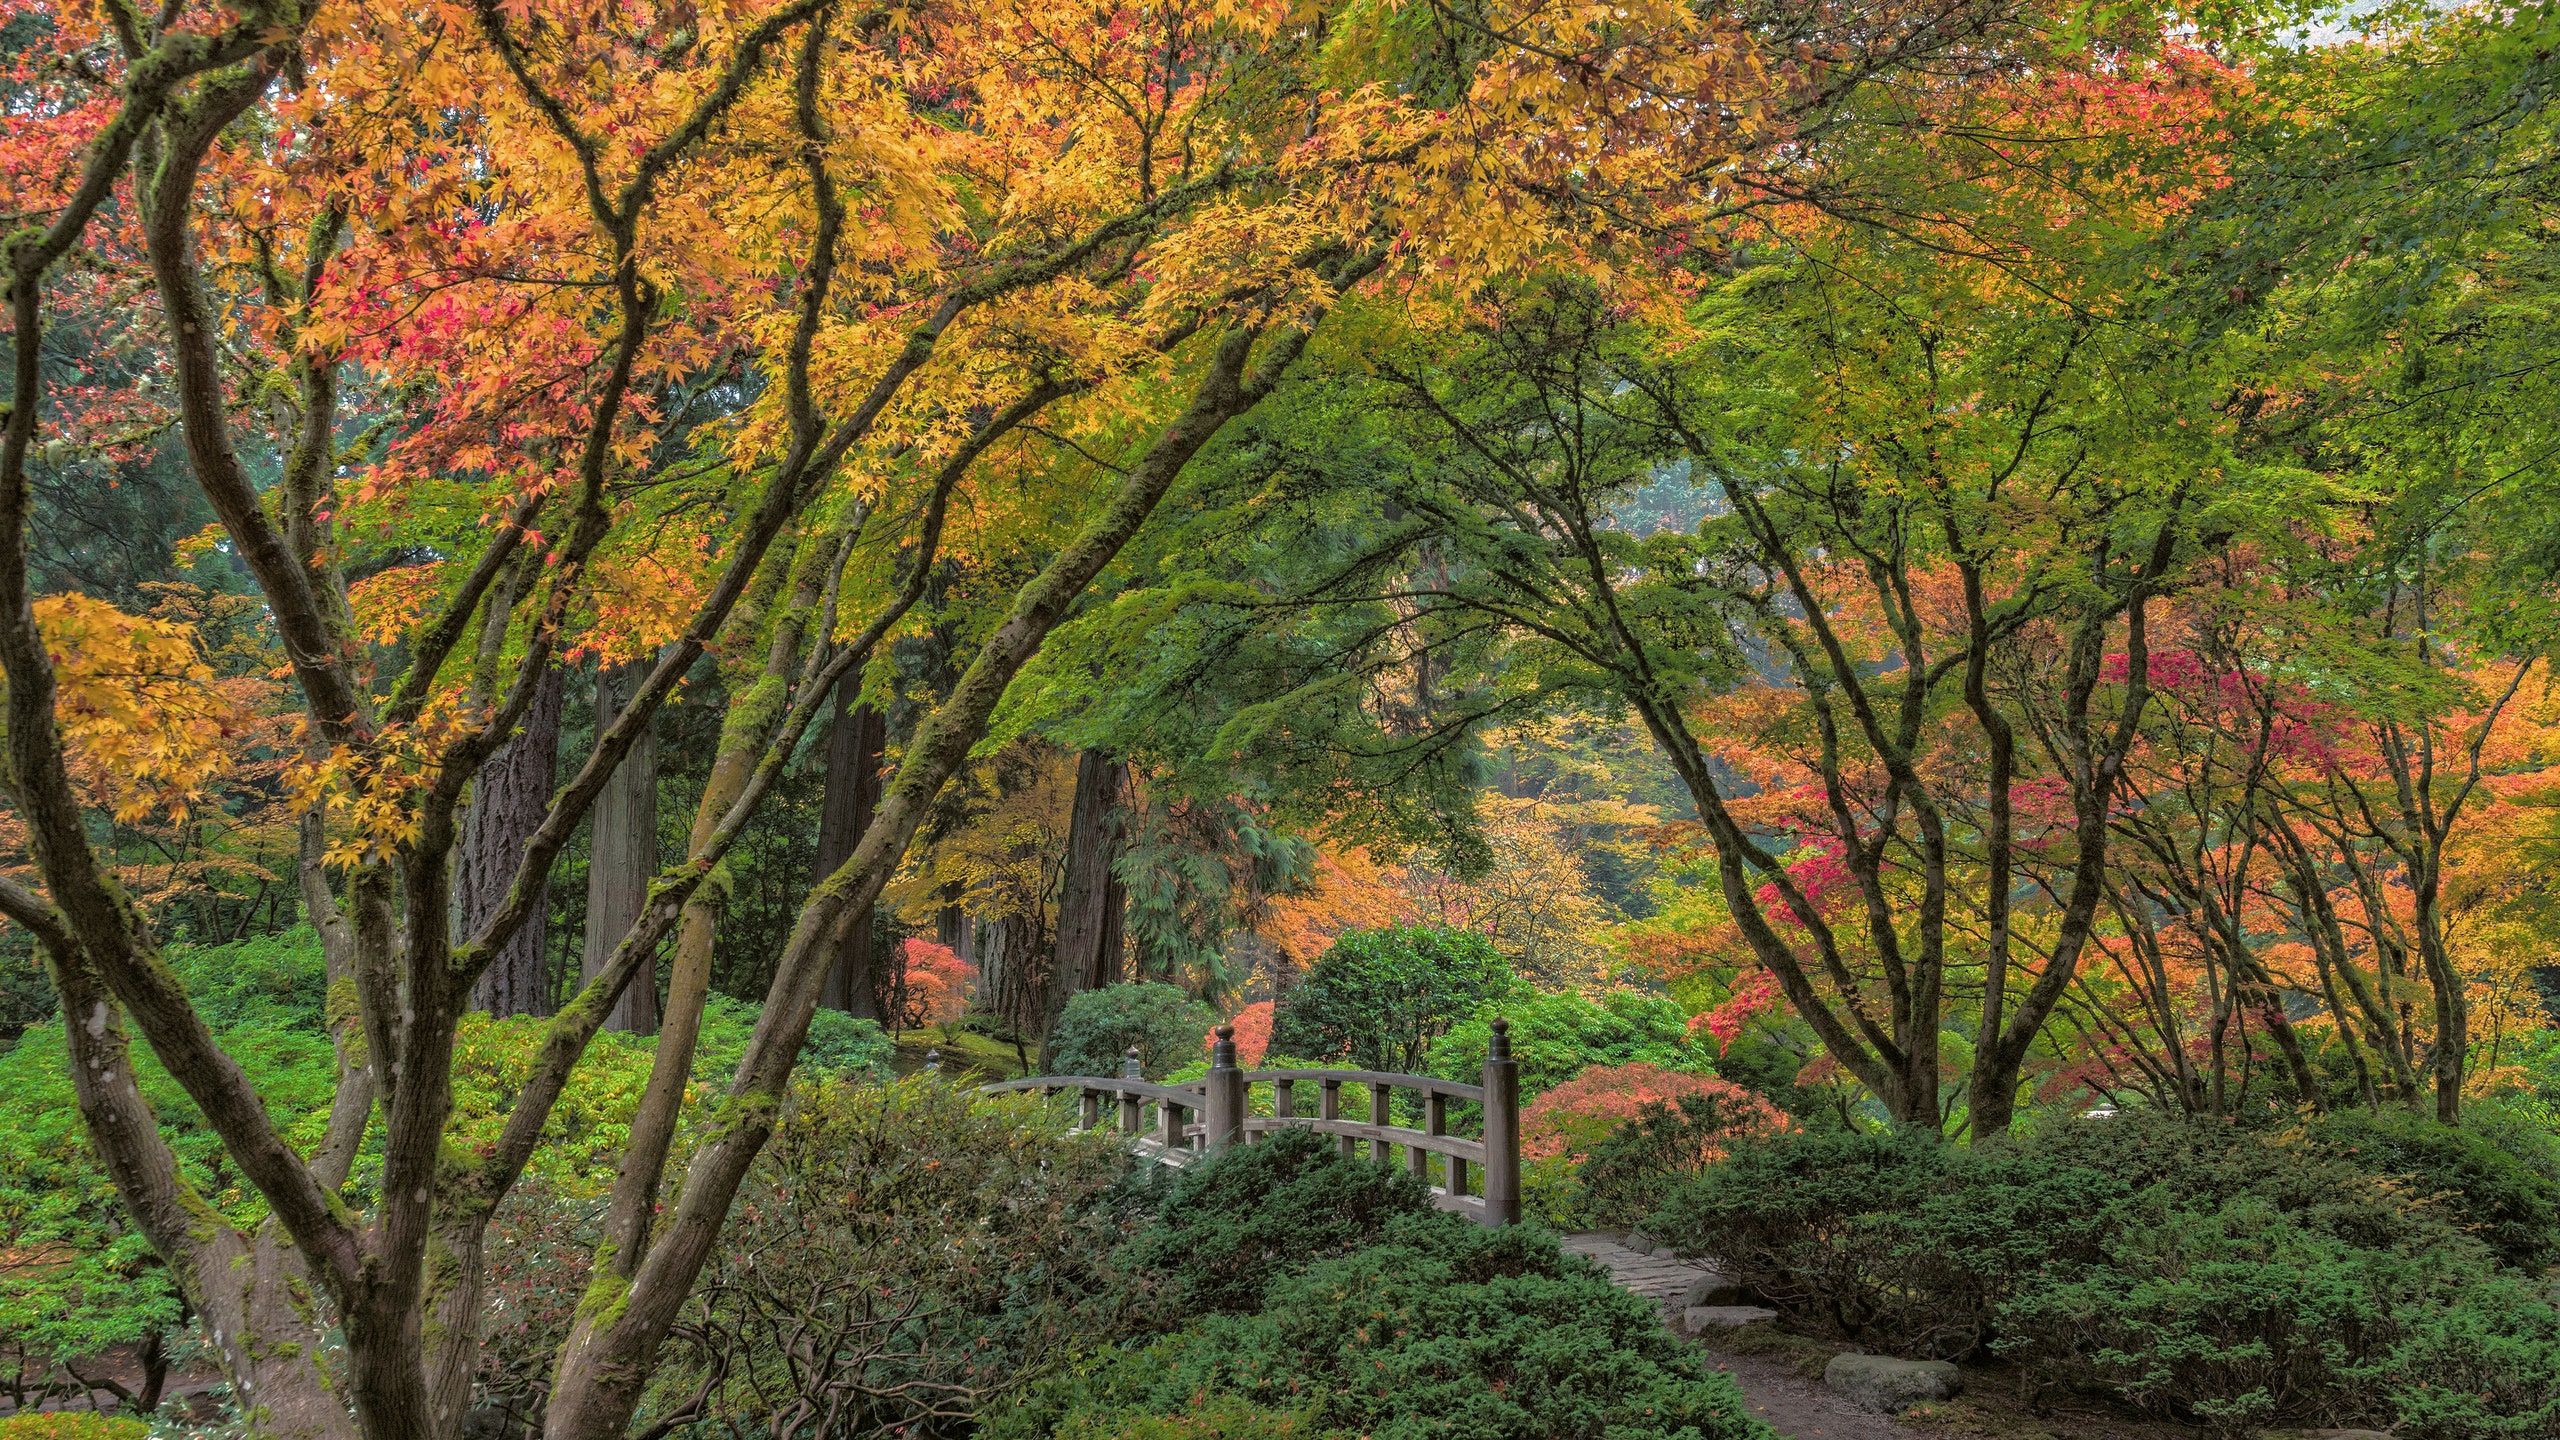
[(1329, 1107), (1132, 1105), (1435, 1121), (1220, 1108)]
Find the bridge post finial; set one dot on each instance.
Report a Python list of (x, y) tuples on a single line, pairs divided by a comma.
[(932, 1061), (1501, 1128), (1225, 1093), (1130, 1069)]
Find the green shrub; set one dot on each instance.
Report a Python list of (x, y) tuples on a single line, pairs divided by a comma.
[(1445, 1329), (841, 1044), (2479, 1363), (2245, 1315), (63, 1426), (1097, 1028), (2488, 1191), (1555, 1037), (1378, 999), (1263, 1212), (276, 981), (1562, 1129), (1632, 1167), (2525, 1126), (1219, 1417), (1757, 1063), (897, 1248), (266, 1000), (1900, 1242), (2365, 1180), (2321, 1273), (91, 1282)]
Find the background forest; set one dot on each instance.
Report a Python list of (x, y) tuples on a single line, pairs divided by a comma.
[(1949, 609)]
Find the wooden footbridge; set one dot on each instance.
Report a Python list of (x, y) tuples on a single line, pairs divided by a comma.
[(1176, 1124)]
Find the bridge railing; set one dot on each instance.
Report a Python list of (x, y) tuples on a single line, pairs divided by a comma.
[(1176, 1123)]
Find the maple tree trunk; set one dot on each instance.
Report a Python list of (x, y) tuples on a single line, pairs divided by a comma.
[(854, 746), (2318, 918), (410, 980), (1086, 918), (508, 800), (455, 1258), (2096, 765), (613, 1345), (755, 711), (2453, 1008), (622, 853)]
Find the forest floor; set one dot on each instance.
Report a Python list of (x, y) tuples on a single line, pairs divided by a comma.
[(984, 1056), (1992, 1407)]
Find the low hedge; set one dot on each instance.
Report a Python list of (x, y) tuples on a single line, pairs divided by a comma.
[(2245, 1315), (2357, 1270), (1263, 1212), (1393, 1321)]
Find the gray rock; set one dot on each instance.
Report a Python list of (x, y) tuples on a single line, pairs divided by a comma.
[(1716, 1290), (1888, 1386), (1699, 1319), (1640, 1242), (1665, 1252)]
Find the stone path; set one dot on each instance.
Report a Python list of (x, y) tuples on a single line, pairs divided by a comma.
[(1661, 1281), (1795, 1407)]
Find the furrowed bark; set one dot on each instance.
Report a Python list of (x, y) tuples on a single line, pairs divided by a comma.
[(622, 855), (1084, 917), (854, 750), (507, 802)]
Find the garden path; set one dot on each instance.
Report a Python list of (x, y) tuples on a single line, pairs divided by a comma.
[(1792, 1405)]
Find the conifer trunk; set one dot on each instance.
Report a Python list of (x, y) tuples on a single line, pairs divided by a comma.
[(622, 853), (1087, 915), (854, 749), (509, 799)]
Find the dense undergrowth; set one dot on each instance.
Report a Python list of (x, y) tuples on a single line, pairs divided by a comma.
[(2354, 1270), (917, 1260), (77, 1279), (1289, 1292)]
